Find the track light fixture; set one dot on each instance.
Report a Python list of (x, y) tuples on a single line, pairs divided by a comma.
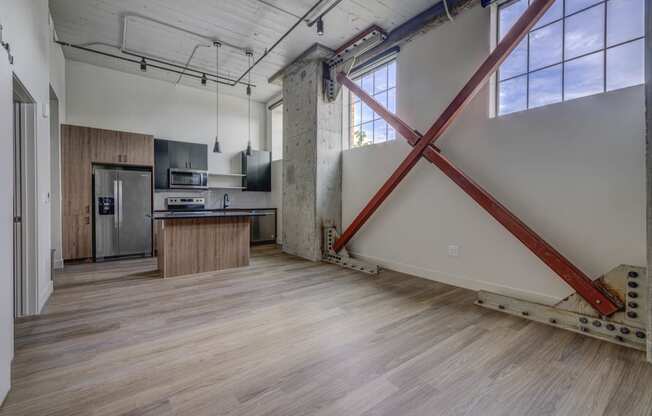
[(203, 80), (143, 65), (320, 27)]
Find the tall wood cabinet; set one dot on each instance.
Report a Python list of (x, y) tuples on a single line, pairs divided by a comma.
[(80, 148)]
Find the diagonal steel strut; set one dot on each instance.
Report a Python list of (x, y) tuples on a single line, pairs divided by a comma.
[(488, 67), (572, 275)]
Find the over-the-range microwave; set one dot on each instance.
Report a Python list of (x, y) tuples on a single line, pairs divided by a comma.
[(188, 179)]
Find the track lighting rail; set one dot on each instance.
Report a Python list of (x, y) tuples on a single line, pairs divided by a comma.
[(169, 68)]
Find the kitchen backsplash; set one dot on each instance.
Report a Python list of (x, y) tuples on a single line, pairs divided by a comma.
[(214, 198)]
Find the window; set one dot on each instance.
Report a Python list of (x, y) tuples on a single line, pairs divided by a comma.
[(578, 48), (366, 127)]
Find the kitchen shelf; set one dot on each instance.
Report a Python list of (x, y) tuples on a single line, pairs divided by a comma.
[(239, 175)]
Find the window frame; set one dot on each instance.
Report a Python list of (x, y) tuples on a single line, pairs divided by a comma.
[(604, 49), (352, 100)]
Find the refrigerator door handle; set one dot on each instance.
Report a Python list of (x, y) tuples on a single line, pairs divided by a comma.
[(120, 201), (116, 218)]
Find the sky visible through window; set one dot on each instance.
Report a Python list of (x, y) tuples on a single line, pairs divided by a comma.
[(366, 126), (578, 48)]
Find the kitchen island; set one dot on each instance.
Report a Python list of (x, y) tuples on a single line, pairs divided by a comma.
[(198, 242)]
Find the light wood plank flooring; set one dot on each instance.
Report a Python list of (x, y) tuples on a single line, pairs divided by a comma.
[(288, 337)]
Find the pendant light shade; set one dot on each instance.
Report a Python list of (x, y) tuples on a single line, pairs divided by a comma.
[(216, 145)]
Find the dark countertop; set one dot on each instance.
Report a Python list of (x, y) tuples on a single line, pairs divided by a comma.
[(158, 211), (175, 215)]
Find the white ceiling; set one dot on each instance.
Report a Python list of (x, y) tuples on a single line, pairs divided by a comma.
[(247, 23)]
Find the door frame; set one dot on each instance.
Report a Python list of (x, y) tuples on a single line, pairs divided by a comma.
[(28, 108)]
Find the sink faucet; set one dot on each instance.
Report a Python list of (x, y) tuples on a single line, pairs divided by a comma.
[(225, 201)]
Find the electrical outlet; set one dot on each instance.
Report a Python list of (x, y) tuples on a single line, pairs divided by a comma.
[(453, 251)]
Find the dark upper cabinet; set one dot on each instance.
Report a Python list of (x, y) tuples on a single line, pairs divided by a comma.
[(161, 164), (257, 169), (169, 154), (198, 156), (179, 155)]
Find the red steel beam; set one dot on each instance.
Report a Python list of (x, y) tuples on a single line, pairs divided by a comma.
[(532, 14), (572, 275)]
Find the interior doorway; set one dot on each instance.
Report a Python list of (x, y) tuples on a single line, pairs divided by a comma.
[(55, 183), (25, 235)]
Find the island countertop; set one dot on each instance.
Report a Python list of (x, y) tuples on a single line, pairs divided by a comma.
[(176, 215)]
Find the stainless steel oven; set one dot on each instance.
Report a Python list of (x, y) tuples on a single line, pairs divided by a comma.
[(188, 179)]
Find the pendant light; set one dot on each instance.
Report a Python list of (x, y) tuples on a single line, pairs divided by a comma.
[(216, 146), (250, 55)]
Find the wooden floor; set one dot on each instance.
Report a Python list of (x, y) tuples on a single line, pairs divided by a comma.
[(289, 337)]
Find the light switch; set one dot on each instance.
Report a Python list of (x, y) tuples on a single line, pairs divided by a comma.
[(453, 251)]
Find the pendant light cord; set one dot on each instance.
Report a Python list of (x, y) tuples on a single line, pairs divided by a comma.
[(250, 55), (217, 92)]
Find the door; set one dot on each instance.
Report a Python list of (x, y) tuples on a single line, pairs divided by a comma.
[(179, 155), (135, 212), (6, 225), (140, 149), (161, 163), (198, 156), (19, 291), (107, 145), (105, 201)]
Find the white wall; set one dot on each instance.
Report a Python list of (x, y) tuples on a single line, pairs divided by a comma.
[(109, 99), (138, 104), (58, 85), (574, 172), (28, 31)]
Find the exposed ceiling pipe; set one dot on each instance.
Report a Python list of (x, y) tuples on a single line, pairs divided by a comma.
[(282, 10), (192, 55), (271, 48), (210, 39), (412, 26)]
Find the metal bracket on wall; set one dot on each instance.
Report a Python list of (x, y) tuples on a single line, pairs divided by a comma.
[(625, 328), (6, 47), (342, 258), (345, 57)]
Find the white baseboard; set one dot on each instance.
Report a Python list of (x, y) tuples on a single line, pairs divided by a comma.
[(43, 299), (58, 264), (459, 281)]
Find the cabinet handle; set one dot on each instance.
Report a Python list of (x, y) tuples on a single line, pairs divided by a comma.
[(88, 209), (124, 158), (88, 220)]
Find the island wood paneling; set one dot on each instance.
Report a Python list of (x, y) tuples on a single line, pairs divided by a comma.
[(197, 245)]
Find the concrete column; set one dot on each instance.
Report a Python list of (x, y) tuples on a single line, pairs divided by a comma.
[(312, 156), (648, 164)]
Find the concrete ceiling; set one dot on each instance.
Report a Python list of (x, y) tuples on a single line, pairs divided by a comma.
[(246, 23)]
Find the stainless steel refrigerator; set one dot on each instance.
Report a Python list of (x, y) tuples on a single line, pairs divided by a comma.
[(123, 212)]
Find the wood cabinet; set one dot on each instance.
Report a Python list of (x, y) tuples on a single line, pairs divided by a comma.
[(81, 147), (76, 189), (116, 147)]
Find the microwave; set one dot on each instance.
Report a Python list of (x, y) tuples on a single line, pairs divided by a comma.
[(188, 179)]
